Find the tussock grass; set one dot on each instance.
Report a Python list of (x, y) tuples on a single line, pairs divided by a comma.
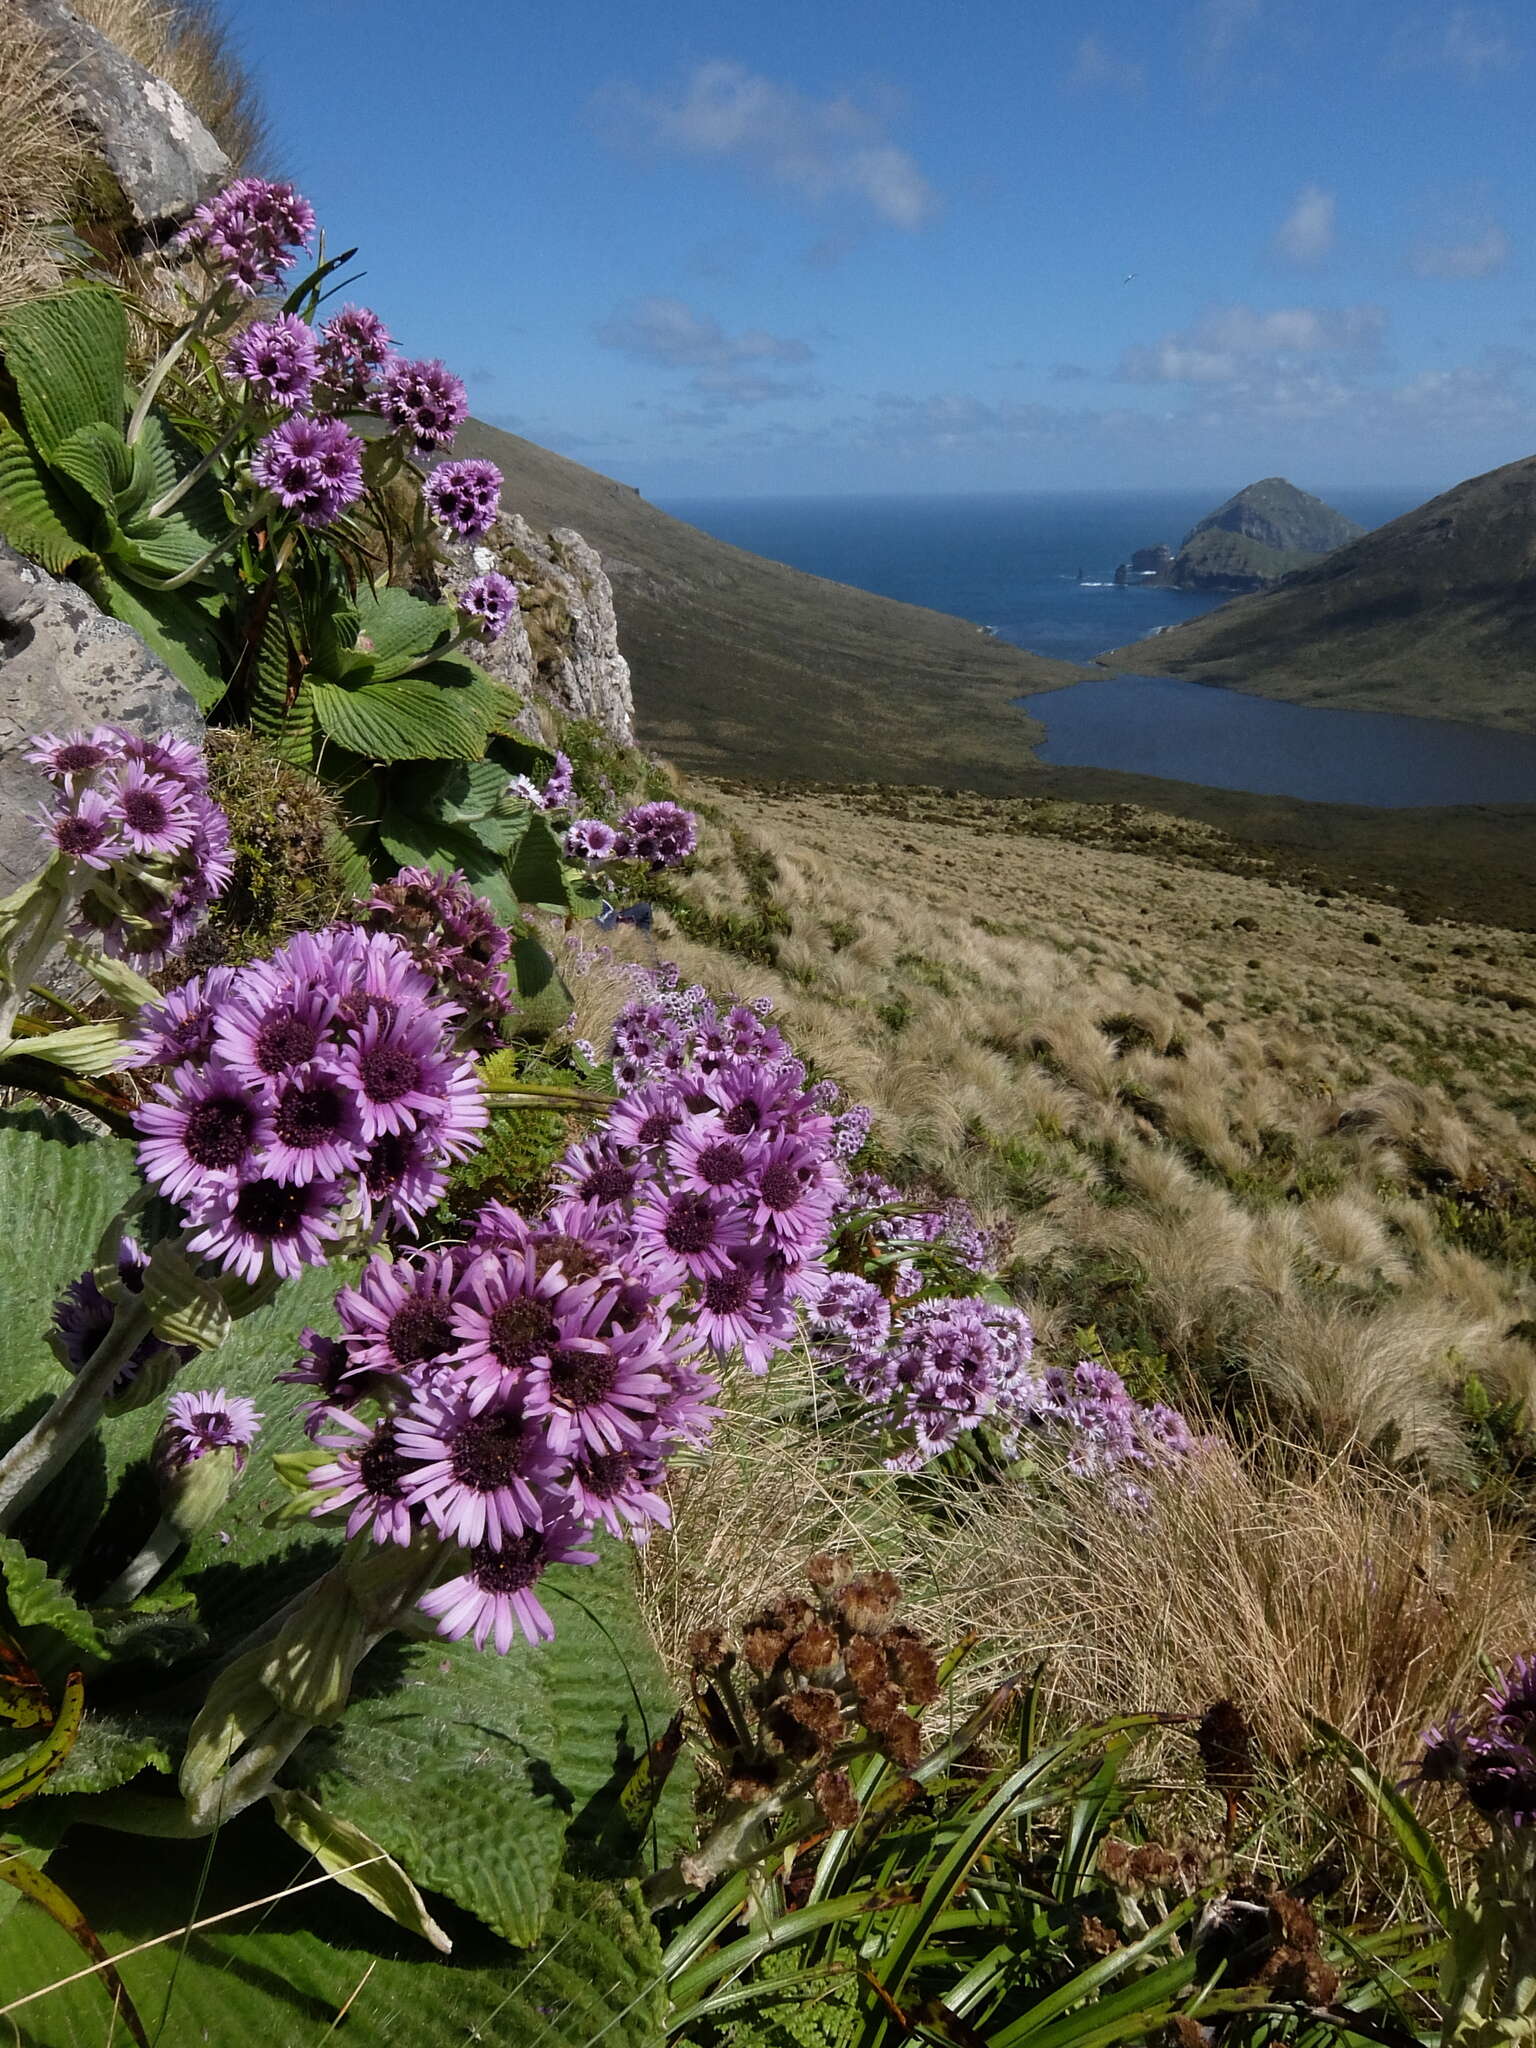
[(187, 44), (1236, 1144)]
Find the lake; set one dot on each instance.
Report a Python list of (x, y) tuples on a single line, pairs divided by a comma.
[(1191, 732)]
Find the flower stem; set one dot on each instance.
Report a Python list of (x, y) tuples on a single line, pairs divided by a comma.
[(150, 1562), (262, 507), (53, 1440), (199, 470), (157, 376), (42, 924)]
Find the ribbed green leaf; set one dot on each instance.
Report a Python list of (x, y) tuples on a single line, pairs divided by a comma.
[(409, 720), (358, 1863), (38, 1601), (399, 627), (97, 459), (534, 866), (82, 1049), (282, 1972), (35, 515), (163, 546), (68, 356), (173, 624), (185, 1306)]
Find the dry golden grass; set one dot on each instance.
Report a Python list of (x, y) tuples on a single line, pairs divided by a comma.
[(1223, 1124), (185, 43)]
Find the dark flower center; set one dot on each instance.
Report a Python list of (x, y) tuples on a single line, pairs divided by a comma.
[(607, 1183), (218, 1132), (271, 1208), (78, 835), (520, 1329), (328, 1363), (387, 1160), (690, 1224), (285, 1040), (512, 1569), (779, 1186), (580, 1379), (360, 1006), (76, 759), (380, 1466), (727, 1294), (312, 1115), (420, 1328), (388, 1072), (721, 1163), (145, 811), (576, 1260), (605, 1474), (488, 1452), (657, 1128), (741, 1118)]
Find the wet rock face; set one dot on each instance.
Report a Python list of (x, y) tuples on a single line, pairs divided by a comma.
[(562, 647), (63, 664), (160, 155)]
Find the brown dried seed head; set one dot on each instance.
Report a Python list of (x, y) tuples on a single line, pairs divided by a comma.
[(1226, 1747), (866, 1603), (1152, 1864), (817, 1653), (865, 1664), (820, 1712), (1115, 1863), (835, 1797), (709, 1649), (1300, 1974), (1096, 1938), (902, 1741), (763, 1647), (752, 1781), (828, 1570), (790, 1612), (913, 1665), (1294, 1922)]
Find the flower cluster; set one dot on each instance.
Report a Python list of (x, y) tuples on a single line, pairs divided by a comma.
[(250, 232), (314, 467), (942, 1235), (486, 604), (277, 359), (320, 1087), (661, 834), (195, 1424), (555, 793), (716, 1171), (456, 937), (1490, 1754), (521, 1390), (355, 345), (464, 496), (423, 401), (148, 847)]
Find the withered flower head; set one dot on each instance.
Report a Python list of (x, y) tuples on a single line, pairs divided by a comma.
[(1115, 1863), (752, 1781), (1153, 1865), (1096, 1938), (866, 1603), (895, 1731), (806, 1723), (829, 1570), (763, 1647), (709, 1649), (913, 1665), (790, 1612), (817, 1653), (865, 1664), (835, 1797), (1226, 1748)]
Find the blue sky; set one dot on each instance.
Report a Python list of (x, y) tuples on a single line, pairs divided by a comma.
[(928, 245)]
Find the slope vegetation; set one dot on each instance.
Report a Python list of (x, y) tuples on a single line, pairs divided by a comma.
[(1433, 614)]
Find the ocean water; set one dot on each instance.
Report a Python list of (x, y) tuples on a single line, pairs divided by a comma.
[(1008, 560)]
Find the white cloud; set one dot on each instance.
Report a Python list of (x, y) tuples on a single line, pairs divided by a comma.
[(671, 335), (830, 152), (1218, 29), (1479, 253), (1473, 43), (1305, 236), (1230, 343), (1098, 67)]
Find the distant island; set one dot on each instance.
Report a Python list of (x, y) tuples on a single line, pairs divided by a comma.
[(1261, 535)]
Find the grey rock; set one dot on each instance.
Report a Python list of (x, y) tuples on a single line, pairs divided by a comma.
[(63, 663), (562, 647), (163, 159)]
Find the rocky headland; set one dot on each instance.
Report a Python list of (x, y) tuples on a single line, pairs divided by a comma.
[(1258, 537)]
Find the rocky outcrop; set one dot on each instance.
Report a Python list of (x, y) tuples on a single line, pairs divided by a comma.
[(562, 647), (1259, 536), (160, 156), (63, 663)]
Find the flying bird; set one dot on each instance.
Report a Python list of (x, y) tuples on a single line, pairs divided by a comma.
[(1128, 276)]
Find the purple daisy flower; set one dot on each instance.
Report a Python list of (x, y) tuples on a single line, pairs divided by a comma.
[(561, 786), (509, 1314), (646, 1118), (278, 359), (269, 1028), (317, 1131), (595, 1170), (68, 760), (85, 829), (487, 603), (687, 1235), (589, 839), (313, 467), (180, 1025), (152, 812), (422, 399), (327, 1365), (739, 1310), (399, 1070), (196, 1424), (661, 834), (464, 496), (400, 1316), (354, 346), (481, 1474), (205, 1129), (599, 1386), (852, 1308), (794, 1192), (621, 1490), (253, 1223), (399, 1179), (177, 759), (493, 1598), (366, 1477), (251, 231), (701, 1155)]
